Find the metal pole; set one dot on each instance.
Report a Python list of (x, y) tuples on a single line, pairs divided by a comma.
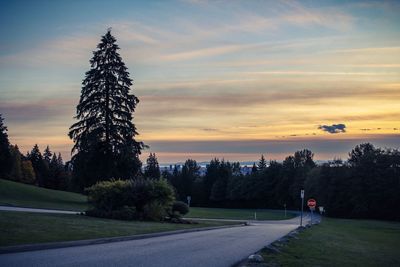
[(311, 215), (301, 217)]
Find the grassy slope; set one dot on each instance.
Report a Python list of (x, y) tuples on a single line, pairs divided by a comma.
[(17, 194), (240, 214), (340, 242), (24, 228)]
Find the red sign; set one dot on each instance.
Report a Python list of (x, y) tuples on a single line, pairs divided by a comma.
[(311, 203)]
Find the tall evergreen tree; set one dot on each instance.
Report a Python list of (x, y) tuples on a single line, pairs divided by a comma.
[(254, 169), (190, 171), (16, 171), (47, 155), (104, 135), (5, 156), (38, 164), (152, 169), (262, 164), (60, 161)]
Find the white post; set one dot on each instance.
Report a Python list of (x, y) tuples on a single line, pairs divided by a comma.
[(302, 204)]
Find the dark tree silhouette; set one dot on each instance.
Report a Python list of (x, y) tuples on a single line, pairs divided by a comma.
[(5, 156), (254, 168), (47, 155), (152, 169), (262, 164), (104, 135), (38, 164)]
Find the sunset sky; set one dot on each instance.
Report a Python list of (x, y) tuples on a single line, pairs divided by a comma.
[(231, 79)]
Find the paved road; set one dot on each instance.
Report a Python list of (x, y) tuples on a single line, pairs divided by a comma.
[(220, 247), (11, 208)]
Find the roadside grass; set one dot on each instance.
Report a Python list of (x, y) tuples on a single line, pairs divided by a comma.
[(17, 228), (341, 242), (239, 214), (22, 195)]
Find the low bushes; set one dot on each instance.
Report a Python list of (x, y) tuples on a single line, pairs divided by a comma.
[(179, 209), (143, 199)]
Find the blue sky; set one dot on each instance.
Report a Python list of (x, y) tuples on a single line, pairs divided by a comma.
[(263, 75)]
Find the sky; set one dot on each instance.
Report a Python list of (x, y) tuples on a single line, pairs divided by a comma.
[(227, 79)]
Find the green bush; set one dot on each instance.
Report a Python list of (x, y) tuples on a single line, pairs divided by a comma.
[(134, 199), (151, 197), (109, 195), (179, 209)]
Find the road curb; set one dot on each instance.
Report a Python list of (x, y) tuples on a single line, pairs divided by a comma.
[(87, 242)]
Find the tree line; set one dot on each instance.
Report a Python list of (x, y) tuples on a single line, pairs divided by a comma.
[(366, 185), (45, 169)]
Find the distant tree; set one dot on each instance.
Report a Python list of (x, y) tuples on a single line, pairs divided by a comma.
[(38, 164), (152, 169), (28, 173), (60, 161), (5, 156), (219, 189), (254, 168), (188, 175), (16, 161), (262, 164), (211, 176), (104, 136), (54, 172), (47, 155)]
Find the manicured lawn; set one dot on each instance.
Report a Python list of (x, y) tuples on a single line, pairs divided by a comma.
[(239, 214), (25, 228), (340, 242), (18, 194)]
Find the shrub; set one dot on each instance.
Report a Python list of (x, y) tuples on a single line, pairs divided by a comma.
[(151, 197), (179, 209), (134, 199), (109, 195)]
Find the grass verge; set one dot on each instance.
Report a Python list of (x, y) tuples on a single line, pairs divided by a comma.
[(340, 242), (239, 214), (17, 228), (22, 195)]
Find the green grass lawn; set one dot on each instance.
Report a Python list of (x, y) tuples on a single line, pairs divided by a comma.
[(340, 242), (18, 228), (18, 194), (239, 214)]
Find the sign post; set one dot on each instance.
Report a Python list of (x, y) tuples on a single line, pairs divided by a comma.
[(284, 205), (188, 200), (302, 204), (311, 203), (321, 210)]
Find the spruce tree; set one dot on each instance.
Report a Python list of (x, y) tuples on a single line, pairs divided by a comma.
[(47, 155), (262, 164), (152, 169), (254, 169), (16, 172), (60, 161), (38, 164), (104, 136), (5, 156)]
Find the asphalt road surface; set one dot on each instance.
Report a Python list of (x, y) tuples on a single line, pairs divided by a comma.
[(219, 247)]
